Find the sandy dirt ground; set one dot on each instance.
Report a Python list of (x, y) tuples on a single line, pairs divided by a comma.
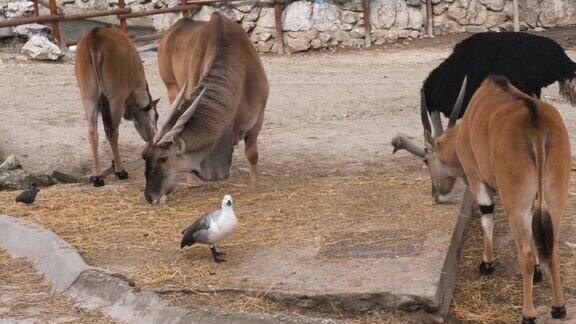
[(27, 298), (326, 137)]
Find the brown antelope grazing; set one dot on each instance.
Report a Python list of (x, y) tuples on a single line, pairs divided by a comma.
[(517, 145), (218, 89), (111, 79)]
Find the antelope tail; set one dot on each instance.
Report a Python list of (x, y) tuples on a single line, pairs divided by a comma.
[(542, 229), (103, 103)]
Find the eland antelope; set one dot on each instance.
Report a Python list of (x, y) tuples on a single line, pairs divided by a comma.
[(218, 89), (112, 84), (518, 146)]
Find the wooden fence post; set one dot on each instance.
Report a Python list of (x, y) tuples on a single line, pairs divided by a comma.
[(36, 8), (429, 19), (516, 16), (185, 12), (279, 30), (55, 24), (123, 25), (367, 23)]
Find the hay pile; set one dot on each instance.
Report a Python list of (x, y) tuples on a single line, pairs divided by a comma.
[(498, 298), (113, 227), (25, 296)]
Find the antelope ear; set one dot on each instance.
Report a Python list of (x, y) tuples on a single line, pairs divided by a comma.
[(184, 118), (429, 141)]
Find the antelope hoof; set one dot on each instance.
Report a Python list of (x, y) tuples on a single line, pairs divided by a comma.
[(122, 175), (486, 268), (98, 181), (558, 312), (219, 259), (528, 320), (537, 274)]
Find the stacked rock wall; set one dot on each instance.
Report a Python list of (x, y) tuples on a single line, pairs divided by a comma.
[(314, 24)]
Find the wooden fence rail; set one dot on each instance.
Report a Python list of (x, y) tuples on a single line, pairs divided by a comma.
[(123, 13)]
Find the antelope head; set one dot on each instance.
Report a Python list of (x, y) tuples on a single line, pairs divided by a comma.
[(166, 158), (439, 153)]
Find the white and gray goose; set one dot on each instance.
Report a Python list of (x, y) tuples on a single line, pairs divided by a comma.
[(211, 228)]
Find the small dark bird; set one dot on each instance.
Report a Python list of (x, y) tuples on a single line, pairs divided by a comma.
[(28, 196), (211, 228)]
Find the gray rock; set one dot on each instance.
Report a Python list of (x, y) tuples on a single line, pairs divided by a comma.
[(354, 5), (265, 36), (244, 6), (529, 11), (266, 18), (324, 37), (165, 21), (19, 9), (299, 44), (349, 17), (476, 29), (440, 8), (252, 15), (496, 5), (413, 3), (67, 177), (341, 36), (346, 27), (404, 33), (264, 47), (357, 32), (28, 30), (414, 34), (233, 14), (325, 16), (316, 43), (297, 16), (40, 48), (247, 25), (388, 13), (6, 32), (11, 163), (204, 14), (13, 179), (557, 13), (415, 18)]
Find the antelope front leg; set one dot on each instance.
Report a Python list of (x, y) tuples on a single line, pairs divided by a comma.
[(486, 205)]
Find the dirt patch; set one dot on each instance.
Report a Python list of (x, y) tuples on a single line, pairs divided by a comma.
[(498, 298), (25, 296)]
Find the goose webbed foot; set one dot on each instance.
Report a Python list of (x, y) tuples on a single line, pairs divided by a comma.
[(218, 256)]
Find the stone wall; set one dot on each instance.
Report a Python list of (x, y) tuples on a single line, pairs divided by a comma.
[(314, 24)]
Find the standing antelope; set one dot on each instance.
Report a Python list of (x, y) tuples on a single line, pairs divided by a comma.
[(112, 83), (218, 89), (517, 145)]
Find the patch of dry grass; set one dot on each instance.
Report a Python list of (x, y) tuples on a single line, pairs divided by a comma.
[(24, 295), (498, 298)]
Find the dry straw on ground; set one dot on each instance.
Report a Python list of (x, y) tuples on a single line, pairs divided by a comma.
[(25, 296), (114, 228)]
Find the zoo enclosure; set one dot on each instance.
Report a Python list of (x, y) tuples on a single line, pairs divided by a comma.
[(123, 13)]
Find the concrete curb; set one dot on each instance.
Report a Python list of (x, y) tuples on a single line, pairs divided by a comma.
[(57, 260), (93, 288), (450, 270)]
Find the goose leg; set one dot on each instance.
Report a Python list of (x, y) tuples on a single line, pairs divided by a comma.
[(217, 256)]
